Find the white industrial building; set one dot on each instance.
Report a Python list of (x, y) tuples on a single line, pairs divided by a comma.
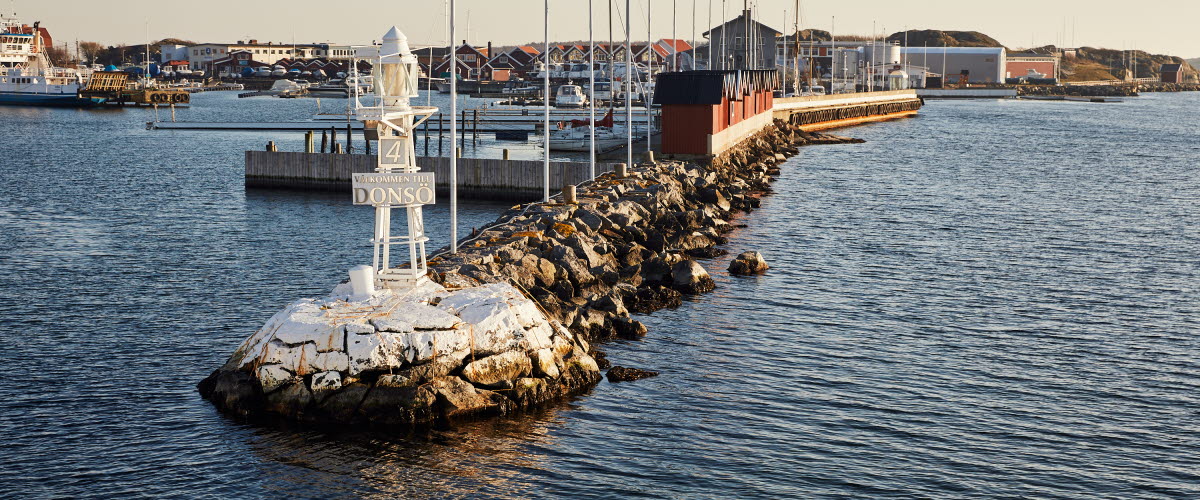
[(969, 64)]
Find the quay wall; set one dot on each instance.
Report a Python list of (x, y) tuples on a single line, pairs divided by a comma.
[(478, 178), (814, 113)]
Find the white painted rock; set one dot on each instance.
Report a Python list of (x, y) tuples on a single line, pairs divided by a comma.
[(385, 358)]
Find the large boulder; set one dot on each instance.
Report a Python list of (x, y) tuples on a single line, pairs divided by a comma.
[(403, 357), (688, 276), (748, 263)]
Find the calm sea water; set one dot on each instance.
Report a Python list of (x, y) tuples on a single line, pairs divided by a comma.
[(996, 299)]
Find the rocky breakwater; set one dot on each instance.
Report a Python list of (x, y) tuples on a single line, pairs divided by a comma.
[(406, 358), (628, 243), (1129, 90), (1169, 87)]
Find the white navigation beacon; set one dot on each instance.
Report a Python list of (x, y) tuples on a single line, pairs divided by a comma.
[(397, 181)]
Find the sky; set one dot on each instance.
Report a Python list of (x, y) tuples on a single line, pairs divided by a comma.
[(1157, 26)]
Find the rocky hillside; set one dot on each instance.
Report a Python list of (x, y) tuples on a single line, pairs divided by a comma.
[(939, 38), (1091, 63), (1195, 62)]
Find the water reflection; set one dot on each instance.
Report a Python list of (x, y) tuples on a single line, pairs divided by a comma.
[(466, 459)]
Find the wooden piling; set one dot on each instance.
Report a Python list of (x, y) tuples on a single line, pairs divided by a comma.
[(308, 142), (324, 142)]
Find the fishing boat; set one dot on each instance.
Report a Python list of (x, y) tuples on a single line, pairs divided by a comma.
[(26, 76)]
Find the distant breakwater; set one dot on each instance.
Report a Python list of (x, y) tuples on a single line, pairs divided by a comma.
[(1117, 90)]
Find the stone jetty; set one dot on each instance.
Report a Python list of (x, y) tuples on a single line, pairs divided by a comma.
[(508, 321), (629, 243)]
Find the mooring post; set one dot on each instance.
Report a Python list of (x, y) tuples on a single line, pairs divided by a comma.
[(569, 194), (622, 170), (337, 148), (441, 133), (271, 147), (308, 142), (427, 138), (367, 144), (349, 147), (475, 127), (458, 152), (324, 142), (332, 139), (650, 157), (505, 155), (462, 138)]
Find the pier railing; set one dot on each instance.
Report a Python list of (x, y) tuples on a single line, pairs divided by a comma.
[(480, 178)]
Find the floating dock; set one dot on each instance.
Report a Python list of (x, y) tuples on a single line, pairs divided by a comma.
[(472, 120), (516, 180)]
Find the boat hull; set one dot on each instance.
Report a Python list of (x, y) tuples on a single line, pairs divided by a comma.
[(53, 100)]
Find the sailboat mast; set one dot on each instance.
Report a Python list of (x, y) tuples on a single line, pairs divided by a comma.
[(592, 93), (453, 134), (629, 84), (546, 107), (646, 99)]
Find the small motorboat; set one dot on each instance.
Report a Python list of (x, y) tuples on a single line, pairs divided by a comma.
[(570, 96)]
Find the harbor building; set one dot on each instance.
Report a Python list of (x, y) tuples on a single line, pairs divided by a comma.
[(1171, 73), (202, 56), (743, 43), (1028, 64), (962, 64), (172, 52)]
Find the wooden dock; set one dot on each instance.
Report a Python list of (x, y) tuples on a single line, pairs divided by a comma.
[(478, 178)]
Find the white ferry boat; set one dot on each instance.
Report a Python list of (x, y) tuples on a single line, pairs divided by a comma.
[(26, 75)]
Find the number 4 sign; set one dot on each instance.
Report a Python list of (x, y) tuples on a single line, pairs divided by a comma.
[(393, 152)]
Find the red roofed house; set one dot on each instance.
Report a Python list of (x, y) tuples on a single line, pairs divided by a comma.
[(472, 64), (676, 53)]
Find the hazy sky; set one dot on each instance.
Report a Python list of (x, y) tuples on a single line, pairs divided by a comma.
[(1159, 26)]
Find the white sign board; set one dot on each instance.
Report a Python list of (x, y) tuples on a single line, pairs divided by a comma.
[(393, 189)]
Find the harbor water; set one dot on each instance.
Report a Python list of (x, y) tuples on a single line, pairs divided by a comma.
[(994, 299)]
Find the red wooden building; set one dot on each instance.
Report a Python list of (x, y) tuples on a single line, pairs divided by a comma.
[(707, 112), (1171, 73)]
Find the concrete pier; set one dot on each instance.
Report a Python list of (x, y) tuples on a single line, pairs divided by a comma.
[(814, 113)]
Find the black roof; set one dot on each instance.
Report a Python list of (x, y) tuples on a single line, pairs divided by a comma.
[(1172, 67), (709, 86)]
